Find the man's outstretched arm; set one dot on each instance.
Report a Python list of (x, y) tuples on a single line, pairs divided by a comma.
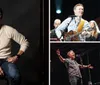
[(86, 66), (60, 57)]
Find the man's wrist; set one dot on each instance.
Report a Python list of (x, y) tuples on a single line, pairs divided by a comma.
[(18, 56), (59, 55)]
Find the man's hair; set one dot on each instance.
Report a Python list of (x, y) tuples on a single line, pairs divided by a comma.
[(79, 4), (69, 52), (1, 13), (57, 20)]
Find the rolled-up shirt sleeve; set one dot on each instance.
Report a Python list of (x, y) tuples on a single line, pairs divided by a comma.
[(62, 27)]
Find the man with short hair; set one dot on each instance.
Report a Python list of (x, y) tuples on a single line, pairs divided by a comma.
[(57, 22), (74, 23), (75, 77), (8, 68)]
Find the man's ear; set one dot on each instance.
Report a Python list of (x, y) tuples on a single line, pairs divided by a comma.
[(74, 11)]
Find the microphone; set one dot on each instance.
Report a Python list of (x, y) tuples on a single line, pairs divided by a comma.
[(80, 55), (77, 55), (72, 16)]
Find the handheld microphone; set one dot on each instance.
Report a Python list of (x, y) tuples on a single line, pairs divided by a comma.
[(77, 55)]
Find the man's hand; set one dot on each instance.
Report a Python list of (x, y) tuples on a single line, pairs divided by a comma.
[(58, 52), (89, 66), (12, 59), (1, 72)]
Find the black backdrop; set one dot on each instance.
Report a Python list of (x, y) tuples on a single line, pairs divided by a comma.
[(24, 15)]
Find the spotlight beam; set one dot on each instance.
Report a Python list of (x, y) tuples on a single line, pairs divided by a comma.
[(58, 4)]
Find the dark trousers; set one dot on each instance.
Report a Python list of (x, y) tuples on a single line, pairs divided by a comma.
[(10, 72), (75, 80)]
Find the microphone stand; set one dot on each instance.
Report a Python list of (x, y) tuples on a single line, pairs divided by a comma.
[(81, 61), (89, 82)]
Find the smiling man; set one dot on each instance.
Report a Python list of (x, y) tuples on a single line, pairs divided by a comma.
[(74, 23)]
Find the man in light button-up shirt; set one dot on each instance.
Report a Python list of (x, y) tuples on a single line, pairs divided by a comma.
[(71, 23)]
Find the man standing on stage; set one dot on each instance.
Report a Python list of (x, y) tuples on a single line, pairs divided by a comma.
[(75, 77)]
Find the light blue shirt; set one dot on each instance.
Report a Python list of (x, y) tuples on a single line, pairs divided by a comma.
[(66, 24)]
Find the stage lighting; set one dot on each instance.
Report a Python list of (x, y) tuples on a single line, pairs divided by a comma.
[(58, 11)]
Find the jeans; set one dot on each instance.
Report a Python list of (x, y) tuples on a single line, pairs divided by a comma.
[(10, 72), (75, 80)]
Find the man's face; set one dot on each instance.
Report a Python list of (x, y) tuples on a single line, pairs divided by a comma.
[(79, 11), (57, 23), (71, 54)]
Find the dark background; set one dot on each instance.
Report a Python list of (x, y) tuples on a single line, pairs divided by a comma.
[(90, 52), (91, 11), (24, 15)]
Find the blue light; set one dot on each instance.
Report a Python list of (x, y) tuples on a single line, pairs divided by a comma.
[(58, 11)]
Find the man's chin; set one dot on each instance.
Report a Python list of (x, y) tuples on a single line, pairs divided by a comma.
[(81, 15)]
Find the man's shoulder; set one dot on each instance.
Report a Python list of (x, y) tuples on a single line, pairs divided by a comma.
[(68, 18), (67, 59), (7, 27)]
